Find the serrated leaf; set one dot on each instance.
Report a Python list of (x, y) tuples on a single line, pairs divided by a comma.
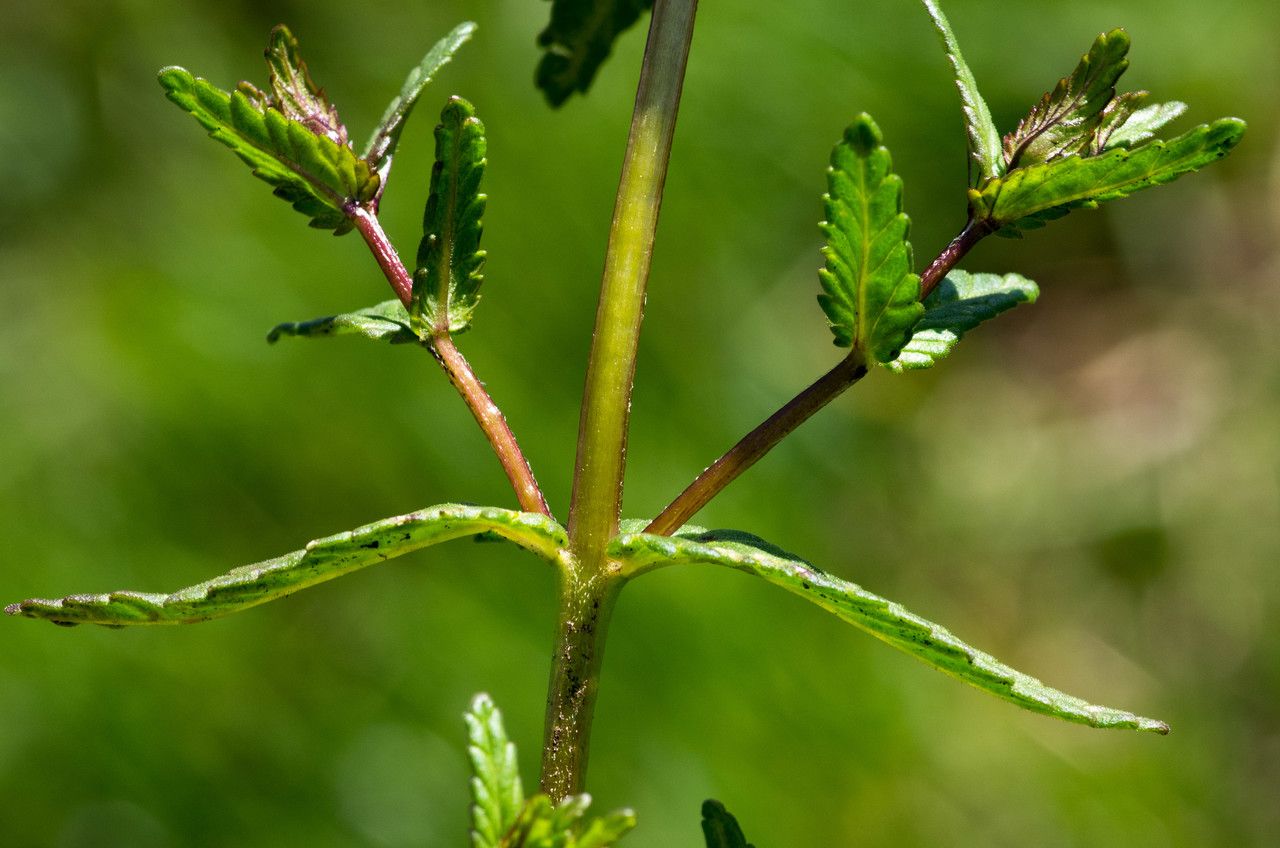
[(294, 92), (1027, 197), (386, 321), (382, 144), (720, 828), (321, 560), (869, 293), (1065, 120), (316, 176), (1144, 123), (882, 618), (984, 139), (578, 39), (447, 281), (497, 794), (961, 302)]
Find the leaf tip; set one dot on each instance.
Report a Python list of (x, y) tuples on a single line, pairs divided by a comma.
[(481, 703), (1152, 725), (1117, 40), (1227, 132), (280, 37), (863, 134), (174, 78)]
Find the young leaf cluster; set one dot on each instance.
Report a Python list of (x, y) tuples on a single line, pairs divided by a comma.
[(501, 816), (1081, 144), (292, 137)]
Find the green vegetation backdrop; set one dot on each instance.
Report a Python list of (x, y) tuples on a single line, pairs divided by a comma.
[(1094, 482)]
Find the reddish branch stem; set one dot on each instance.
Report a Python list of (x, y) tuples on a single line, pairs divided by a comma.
[(486, 412), (799, 409)]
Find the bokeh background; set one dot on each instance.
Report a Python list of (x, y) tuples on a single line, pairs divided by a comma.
[(1089, 489)]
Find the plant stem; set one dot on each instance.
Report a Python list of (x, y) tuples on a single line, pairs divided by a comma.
[(974, 231), (492, 422), (778, 426), (485, 411), (384, 252), (757, 443), (606, 405), (586, 605)]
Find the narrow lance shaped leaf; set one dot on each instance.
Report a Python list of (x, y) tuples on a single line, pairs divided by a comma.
[(446, 284), (321, 560), (720, 828), (386, 321), (293, 91), (882, 618), (1029, 196), (1065, 120), (317, 176), (497, 794), (869, 293), (382, 144), (961, 302), (984, 138), (578, 39)]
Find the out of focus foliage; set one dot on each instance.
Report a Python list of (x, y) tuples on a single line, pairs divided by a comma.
[(1094, 482)]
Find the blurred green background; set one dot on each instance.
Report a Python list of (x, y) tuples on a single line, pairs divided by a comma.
[(1090, 489)]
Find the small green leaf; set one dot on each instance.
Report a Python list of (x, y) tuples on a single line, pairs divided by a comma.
[(447, 281), (578, 39), (607, 829), (882, 618), (1027, 197), (541, 824), (295, 94), (984, 138), (1065, 119), (961, 302), (382, 144), (321, 560), (387, 321), (317, 176), (496, 791), (720, 827), (533, 828), (1144, 123), (869, 293)]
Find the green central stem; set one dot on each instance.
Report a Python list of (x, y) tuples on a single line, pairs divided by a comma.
[(590, 581), (586, 605), (606, 404)]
